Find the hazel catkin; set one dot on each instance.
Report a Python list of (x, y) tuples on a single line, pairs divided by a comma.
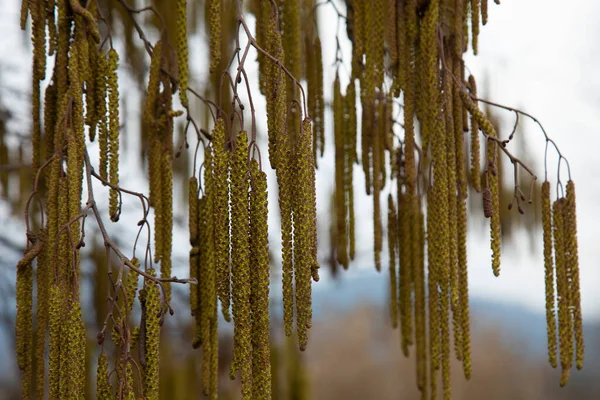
[(240, 267), (152, 312), (392, 229), (572, 258), (259, 275), (221, 196), (549, 273)]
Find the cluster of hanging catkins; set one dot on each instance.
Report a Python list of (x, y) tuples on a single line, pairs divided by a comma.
[(413, 51), (404, 52)]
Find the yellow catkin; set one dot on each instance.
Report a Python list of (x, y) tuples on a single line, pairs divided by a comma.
[(392, 229), (167, 187), (311, 86), (452, 162), (405, 273), (493, 179), (484, 12), (43, 280), (463, 288), (285, 182), (155, 154), (340, 192), (36, 126), (152, 333), (182, 50), (495, 218), (351, 158), (128, 391), (23, 324), (54, 353), (103, 389), (240, 270), (565, 322), (131, 285), (50, 111), (319, 117), (391, 29), (196, 263), (153, 84), (475, 9), (214, 22), (291, 36), (91, 116), (62, 49), (461, 182), (377, 167), (37, 11), (276, 91), (208, 284), (572, 260), (418, 251), (24, 13), (193, 210), (259, 275), (113, 142), (101, 87), (549, 273), (475, 146), (366, 141), (76, 344), (304, 230), (221, 196), (193, 222)]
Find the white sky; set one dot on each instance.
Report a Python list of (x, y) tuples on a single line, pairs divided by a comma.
[(540, 56)]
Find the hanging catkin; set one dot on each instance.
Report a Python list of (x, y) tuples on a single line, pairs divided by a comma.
[(418, 251), (377, 166), (74, 366), (153, 85), (475, 9), (452, 211), (572, 259), (193, 224), (484, 12), (240, 267), (549, 273), (103, 389), (340, 156), (285, 181), (565, 322), (54, 361), (166, 171), (152, 311), (113, 142), (304, 231), (24, 323), (392, 229), (259, 261), (405, 271), (214, 22), (475, 147), (182, 50), (276, 91), (350, 158), (207, 274), (101, 88), (43, 281), (221, 196)]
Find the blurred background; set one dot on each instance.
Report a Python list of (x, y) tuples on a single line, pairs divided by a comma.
[(540, 56)]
